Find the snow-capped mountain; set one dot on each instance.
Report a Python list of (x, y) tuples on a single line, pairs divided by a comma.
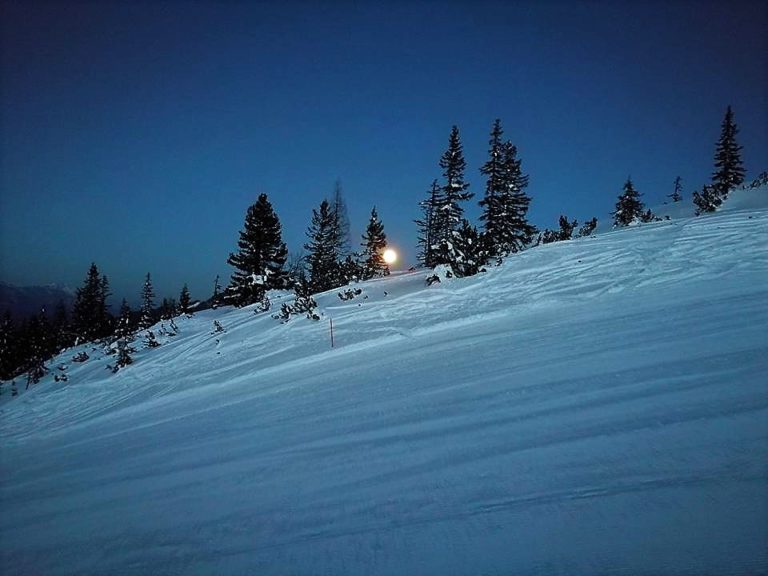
[(24, 301), (592, 406)]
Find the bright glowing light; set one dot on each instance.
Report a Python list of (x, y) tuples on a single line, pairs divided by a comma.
[(390, 256)]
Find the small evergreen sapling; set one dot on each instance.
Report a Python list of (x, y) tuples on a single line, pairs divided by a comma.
[(708, 200), (588, 227)]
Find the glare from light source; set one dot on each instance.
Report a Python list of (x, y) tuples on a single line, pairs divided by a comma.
[(390, 256)]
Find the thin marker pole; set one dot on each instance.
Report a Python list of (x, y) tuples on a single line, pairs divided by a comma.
[(331, 319)]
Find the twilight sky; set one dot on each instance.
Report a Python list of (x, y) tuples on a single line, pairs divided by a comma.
[(136, 134)]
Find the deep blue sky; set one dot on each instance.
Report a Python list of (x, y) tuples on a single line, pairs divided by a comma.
[(137, 134)]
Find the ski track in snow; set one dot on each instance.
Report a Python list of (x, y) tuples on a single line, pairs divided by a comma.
[(597, 406)]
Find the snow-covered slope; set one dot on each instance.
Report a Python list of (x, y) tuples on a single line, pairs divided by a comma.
[(590, 407)]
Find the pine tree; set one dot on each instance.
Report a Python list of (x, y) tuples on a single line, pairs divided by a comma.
[(468, 249), (676, 195), (505, 204), (184, 300), (147, 317), (341, 215), (448, 212), (260, 261), (729, 170), (124, 327), (374, 244), (588, 227), (8, 359), (62, 335), (426, 225), (628, 207), (707, 200), (322, 250), (216, 296), (90, 315)]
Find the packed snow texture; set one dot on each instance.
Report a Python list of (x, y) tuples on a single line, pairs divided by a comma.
[(596, 406)]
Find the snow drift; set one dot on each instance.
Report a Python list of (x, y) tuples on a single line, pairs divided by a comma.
[(590, 407)]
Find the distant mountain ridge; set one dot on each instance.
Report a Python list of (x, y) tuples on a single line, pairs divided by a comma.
[(24, 301)]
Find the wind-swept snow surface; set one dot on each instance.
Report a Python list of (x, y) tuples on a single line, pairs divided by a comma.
[(597, 406)]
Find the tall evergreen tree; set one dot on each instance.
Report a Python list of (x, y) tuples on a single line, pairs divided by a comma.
[(448, 212), (629, 207), (677, 195), (322, 249), (147, 317), (374, 244), (505, 203), (90, 316), (426, 225), (8, 339), (260, 261), (341, 215), (729, 169), (62, 334), (184, 300)]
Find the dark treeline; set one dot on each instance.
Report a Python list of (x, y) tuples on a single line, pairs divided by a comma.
[(262, 262)]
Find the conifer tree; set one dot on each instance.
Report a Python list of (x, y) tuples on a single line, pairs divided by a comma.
[(676, 195), (505, 203), (147, 317), (8, 360), (62, 335), (448, 212), (426, 225), (90, 315), (184, 300), (729, 170), (629, 207), (374, 244), (707, 200), (322, 250), (260, 261), (216, 296), (341, 216), (468, 249), (124, 327)]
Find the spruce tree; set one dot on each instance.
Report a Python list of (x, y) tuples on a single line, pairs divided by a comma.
[(341, 215), (216, 296), (426, 225), (494, 186), (505, 204), (448, 212), (8, 360), (184, 300), (147, 317), (124, 327), (374, 244), (260, 261), (322, 250), (707, 200), (676, 195), (469, 250), (729, 170), (90, 316), (629, 207)]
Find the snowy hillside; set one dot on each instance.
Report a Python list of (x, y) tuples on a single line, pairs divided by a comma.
[(590, 407)]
